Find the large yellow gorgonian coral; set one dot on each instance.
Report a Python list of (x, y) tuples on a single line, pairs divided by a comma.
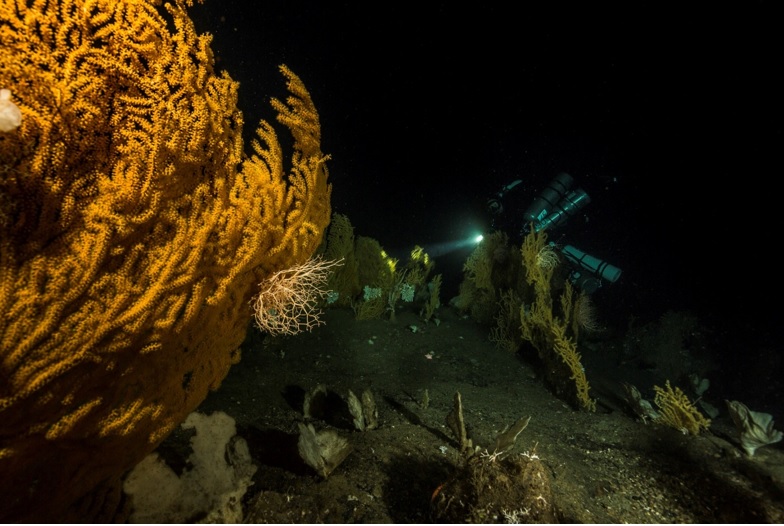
[(546, 330), (132, 234)]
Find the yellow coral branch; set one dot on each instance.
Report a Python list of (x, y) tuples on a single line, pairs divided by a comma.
[(677, 411), (567, 350)]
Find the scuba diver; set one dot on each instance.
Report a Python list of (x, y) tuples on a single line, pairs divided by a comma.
[(551, 209)]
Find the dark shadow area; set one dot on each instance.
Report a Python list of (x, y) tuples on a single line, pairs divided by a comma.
[(415, 420), (329, 407), (410, 487), (274, 448), (294, 396), (718, 500)]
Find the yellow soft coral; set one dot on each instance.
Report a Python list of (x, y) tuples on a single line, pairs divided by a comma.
[(344, 282), (377, 274), (131, 241), (546, 329), (677, 411), (433, 301), (566, 349)]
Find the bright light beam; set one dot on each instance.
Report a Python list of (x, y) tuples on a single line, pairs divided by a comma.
[(439, 249)]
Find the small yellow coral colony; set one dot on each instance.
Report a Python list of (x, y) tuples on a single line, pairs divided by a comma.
[(677, 411), (344, 282), (132, 233), (433, 300)]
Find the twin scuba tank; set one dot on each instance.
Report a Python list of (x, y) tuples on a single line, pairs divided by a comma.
[(552, 208)]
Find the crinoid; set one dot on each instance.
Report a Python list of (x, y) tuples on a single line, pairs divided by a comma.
[(547, 257)]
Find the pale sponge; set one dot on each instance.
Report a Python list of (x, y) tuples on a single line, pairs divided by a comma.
[(210, 491), (755, 428), (10, 114)]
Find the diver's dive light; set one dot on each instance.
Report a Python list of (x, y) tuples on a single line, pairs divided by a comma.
[(555, 204), (591, 269), (445, 247)]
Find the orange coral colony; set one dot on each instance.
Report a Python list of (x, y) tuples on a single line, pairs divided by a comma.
[(133, 231)]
